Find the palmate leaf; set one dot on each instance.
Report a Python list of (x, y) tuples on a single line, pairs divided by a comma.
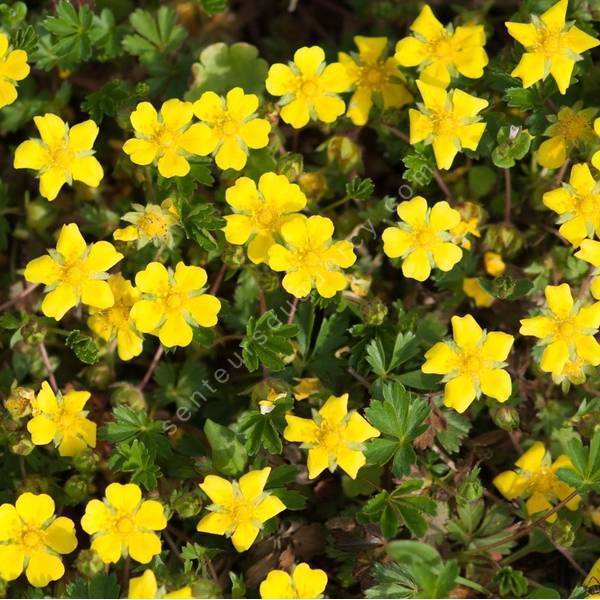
[(267, 342), (228, 453), (400, 417), (263, 431), (136, 459), (585, 474), (101, 586)]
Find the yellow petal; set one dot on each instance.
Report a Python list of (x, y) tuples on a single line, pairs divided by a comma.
[(258, 248), (434, 97), (440, 359), (554, 357), (588, 317), (10, 523), (198, 139), (410, 52), (269, 508), (52, 128), (219, 490), (465, 105), (358, 429), (469, 135), (445, 149), (50, 183), (278, 584), (172, 164), (413, 211), (97, 517), (209, 107), (417, 265), (496, 383), (244, 535), (559, 200), (539, 503), (396, 241), (329, 108), (279, 258), (34, 509), (510, 484), (559, 299), (154, 279), (144, 118), (252, 483), (360, 105), (43, 568), (561, 69), (97, 294), (124, 497), (280, 80), (446, 255), (88, 170), (318, 461), (497, 345), (30, 155), (427, 24), (83, 135), (525, 33), (443, 217), (216, 523), (308, 59), (59, 301), (151, 515), (42, 270), (189, 278), (129, 344), (147, 315), (329, 283), (11, 561), (298, 283), (175, 332), (143, 546), (204, 309), (296, 113), (470, 62), (255, 133), (144, 586), (588, 349), (459, 393), (554, 17), (531, 68), (574, 230), (42, 430), (176, 114), (552, 153), (309, 583), (108, 547), (141, 152), (466, 332), (421, 126), (540, 327), (335, 409), (300, 430), (231, 155), (578, 41), (60, 535), (350, 461)]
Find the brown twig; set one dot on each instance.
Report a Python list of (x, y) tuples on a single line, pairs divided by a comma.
[(218, 280), (151, 368), (561, 173), (46, 361), (293, 311), (18, 297)]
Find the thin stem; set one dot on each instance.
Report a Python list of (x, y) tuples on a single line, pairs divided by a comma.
[(46, 361), (507, 196), (293, 311), (561, 173), (151, 368), (20, 296), (337, 203), (218, 280), (149, 185), (442, 184)]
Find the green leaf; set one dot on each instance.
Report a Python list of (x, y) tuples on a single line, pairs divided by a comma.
[(513, 145), (228, 453), (213, 7), (360, 189), (83, 346), (506, 288), (267, 342), (136, 459), (223, 67), (482, 180), (419, 169), (101, 586), (263, 431), (385, 354), (199, 220), (400, 417), (585, 474)]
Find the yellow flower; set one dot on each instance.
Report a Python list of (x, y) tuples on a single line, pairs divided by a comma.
[(373, 77), (63, 421), (593, 579), (536, 480), (333, 437), (74, 273), (551, 47), (447, 120), (442, 52), (307, 387), (578, 205), (472, 288), (310, 257), (124, 524), (304, 582), (150, 223), (173, 301), (13, 68), (309, 87), (574, 371), (422, 239), (230, 127), (239, 508), (166, 138), (566, 331), (260, 212), (472, 364), (145, 586), (116, 321), (570, 128), (62, 154), (493, 264), (32, 539)]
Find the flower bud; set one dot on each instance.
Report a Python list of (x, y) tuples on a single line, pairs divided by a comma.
[(343, 152), (86, 462), (129, 395), (511, 583), (88, 563), (562, 533), (20, 443), (374, 311), (313, 184), (76, 489), (18, 404), (505, 240), (234, 256), (291, 164), (99, 376), (205, 588), (185, 503), (505, 417)]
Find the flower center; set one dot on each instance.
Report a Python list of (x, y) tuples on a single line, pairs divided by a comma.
[(566, 329), (549, 42), (74, 273), (444, 123), (309, 88), (164, 137), (60, 157), (543, 481), (124, 525), (572, 127), (118, 315), (309, 259), (242, 511), (151, 224), (471, 363), (441, 48), (31, 539), (330, 437), (374, 76), (588, 205), (267, 217), (174, 301), (424, 237)]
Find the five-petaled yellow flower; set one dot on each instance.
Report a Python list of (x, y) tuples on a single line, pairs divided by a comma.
[(566, 331), (422, 239), (13, 68), (447, 120), (551, 47), (334, 437), (536, 480), (578, 205), (116, 322), (167, 139), (570, 128), (310, 258), (373, 78), (239, 508), (62, 419), (152, 223), (63, 154), (230, 126), (308, 87), (32, 539), (472, 364), (304, 582), (145, 586), (73, 273), (124, 525), (261, 211), (442, 52), (172, 301)]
